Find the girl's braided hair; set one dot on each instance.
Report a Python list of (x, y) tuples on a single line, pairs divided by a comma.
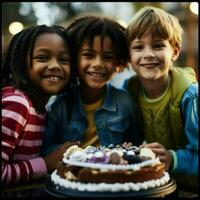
[(87, 27), (15, 61)]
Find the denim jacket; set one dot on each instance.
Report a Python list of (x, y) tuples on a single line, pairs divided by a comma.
[(115, 120)]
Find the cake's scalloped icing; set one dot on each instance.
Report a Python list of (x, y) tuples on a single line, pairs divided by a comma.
[(133, 167), (103, 187)]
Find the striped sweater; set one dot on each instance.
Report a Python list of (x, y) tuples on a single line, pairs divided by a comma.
[(22, 133)]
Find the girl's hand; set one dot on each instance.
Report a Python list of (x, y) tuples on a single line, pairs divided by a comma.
[(51, 160), (164, 155)]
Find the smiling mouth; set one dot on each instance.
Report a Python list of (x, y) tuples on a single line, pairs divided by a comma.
[(150, 65), (96, 74), (53, 78)]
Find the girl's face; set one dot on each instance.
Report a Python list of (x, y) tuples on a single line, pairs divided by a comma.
[(50, 64), (96, 66), (151, 58)]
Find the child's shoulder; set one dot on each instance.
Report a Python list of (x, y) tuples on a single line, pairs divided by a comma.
[(119, 97), (14, 96), (115, 90), (118, 94), (132, 84), (192, 91), (57, 101)]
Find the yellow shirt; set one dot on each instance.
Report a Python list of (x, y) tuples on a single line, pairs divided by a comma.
[(91, 137)]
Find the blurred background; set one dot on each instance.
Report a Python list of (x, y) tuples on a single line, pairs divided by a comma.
[(19, 15)]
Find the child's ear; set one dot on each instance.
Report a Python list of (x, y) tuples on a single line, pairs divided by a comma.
[(175, 53)]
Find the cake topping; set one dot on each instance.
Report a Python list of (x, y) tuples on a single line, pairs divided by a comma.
[(78, 155), (147, 153), (109, 155), (134, 149), (115, 158), (130, 153), (90, 150), (71, 149), (118, 151), (98, 157)]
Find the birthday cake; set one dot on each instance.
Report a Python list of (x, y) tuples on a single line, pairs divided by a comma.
[(109, 169)]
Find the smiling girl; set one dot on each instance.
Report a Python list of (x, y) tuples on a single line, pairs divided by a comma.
[(36, 66)]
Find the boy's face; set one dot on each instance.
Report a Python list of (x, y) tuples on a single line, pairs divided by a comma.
[(151, 58), (50, 64), (96, 66)]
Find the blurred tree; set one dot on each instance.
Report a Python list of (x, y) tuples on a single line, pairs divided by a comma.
[(72, 9), (10, 13), (28, 13)]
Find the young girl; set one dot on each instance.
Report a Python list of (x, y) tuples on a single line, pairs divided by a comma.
[(35, 67), (102, 114), (167, 96)]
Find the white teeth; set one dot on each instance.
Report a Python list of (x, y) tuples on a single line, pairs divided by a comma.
[(54, 78), (96, 74)]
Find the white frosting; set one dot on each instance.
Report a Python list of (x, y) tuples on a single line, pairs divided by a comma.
[(70, 150), (134, 167), (131, 153), (78, 156), (103, 187), (98, 154), (147, 152)]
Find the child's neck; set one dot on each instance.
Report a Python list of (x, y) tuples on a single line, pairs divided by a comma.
[(91, 95), (154, 89)]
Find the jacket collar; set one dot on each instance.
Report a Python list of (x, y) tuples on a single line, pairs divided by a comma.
[(108, 104)]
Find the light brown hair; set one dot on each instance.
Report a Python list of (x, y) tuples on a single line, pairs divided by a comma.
[(159, 22)]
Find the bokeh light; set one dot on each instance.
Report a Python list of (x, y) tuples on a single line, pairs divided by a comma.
[(15, 27), (194, 7)]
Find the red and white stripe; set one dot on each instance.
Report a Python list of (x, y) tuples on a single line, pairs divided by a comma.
[(22, 134)]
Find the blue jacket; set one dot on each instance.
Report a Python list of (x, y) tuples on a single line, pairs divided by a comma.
[(190, 113), (116, 121)]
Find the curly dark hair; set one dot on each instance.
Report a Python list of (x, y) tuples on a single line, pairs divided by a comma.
[(87, 27), (15, 61)]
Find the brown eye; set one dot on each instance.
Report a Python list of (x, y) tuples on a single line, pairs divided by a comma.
[(137, 47), (158, 46), (87, 55), (64, 60), (109, 57), (41, 58)]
